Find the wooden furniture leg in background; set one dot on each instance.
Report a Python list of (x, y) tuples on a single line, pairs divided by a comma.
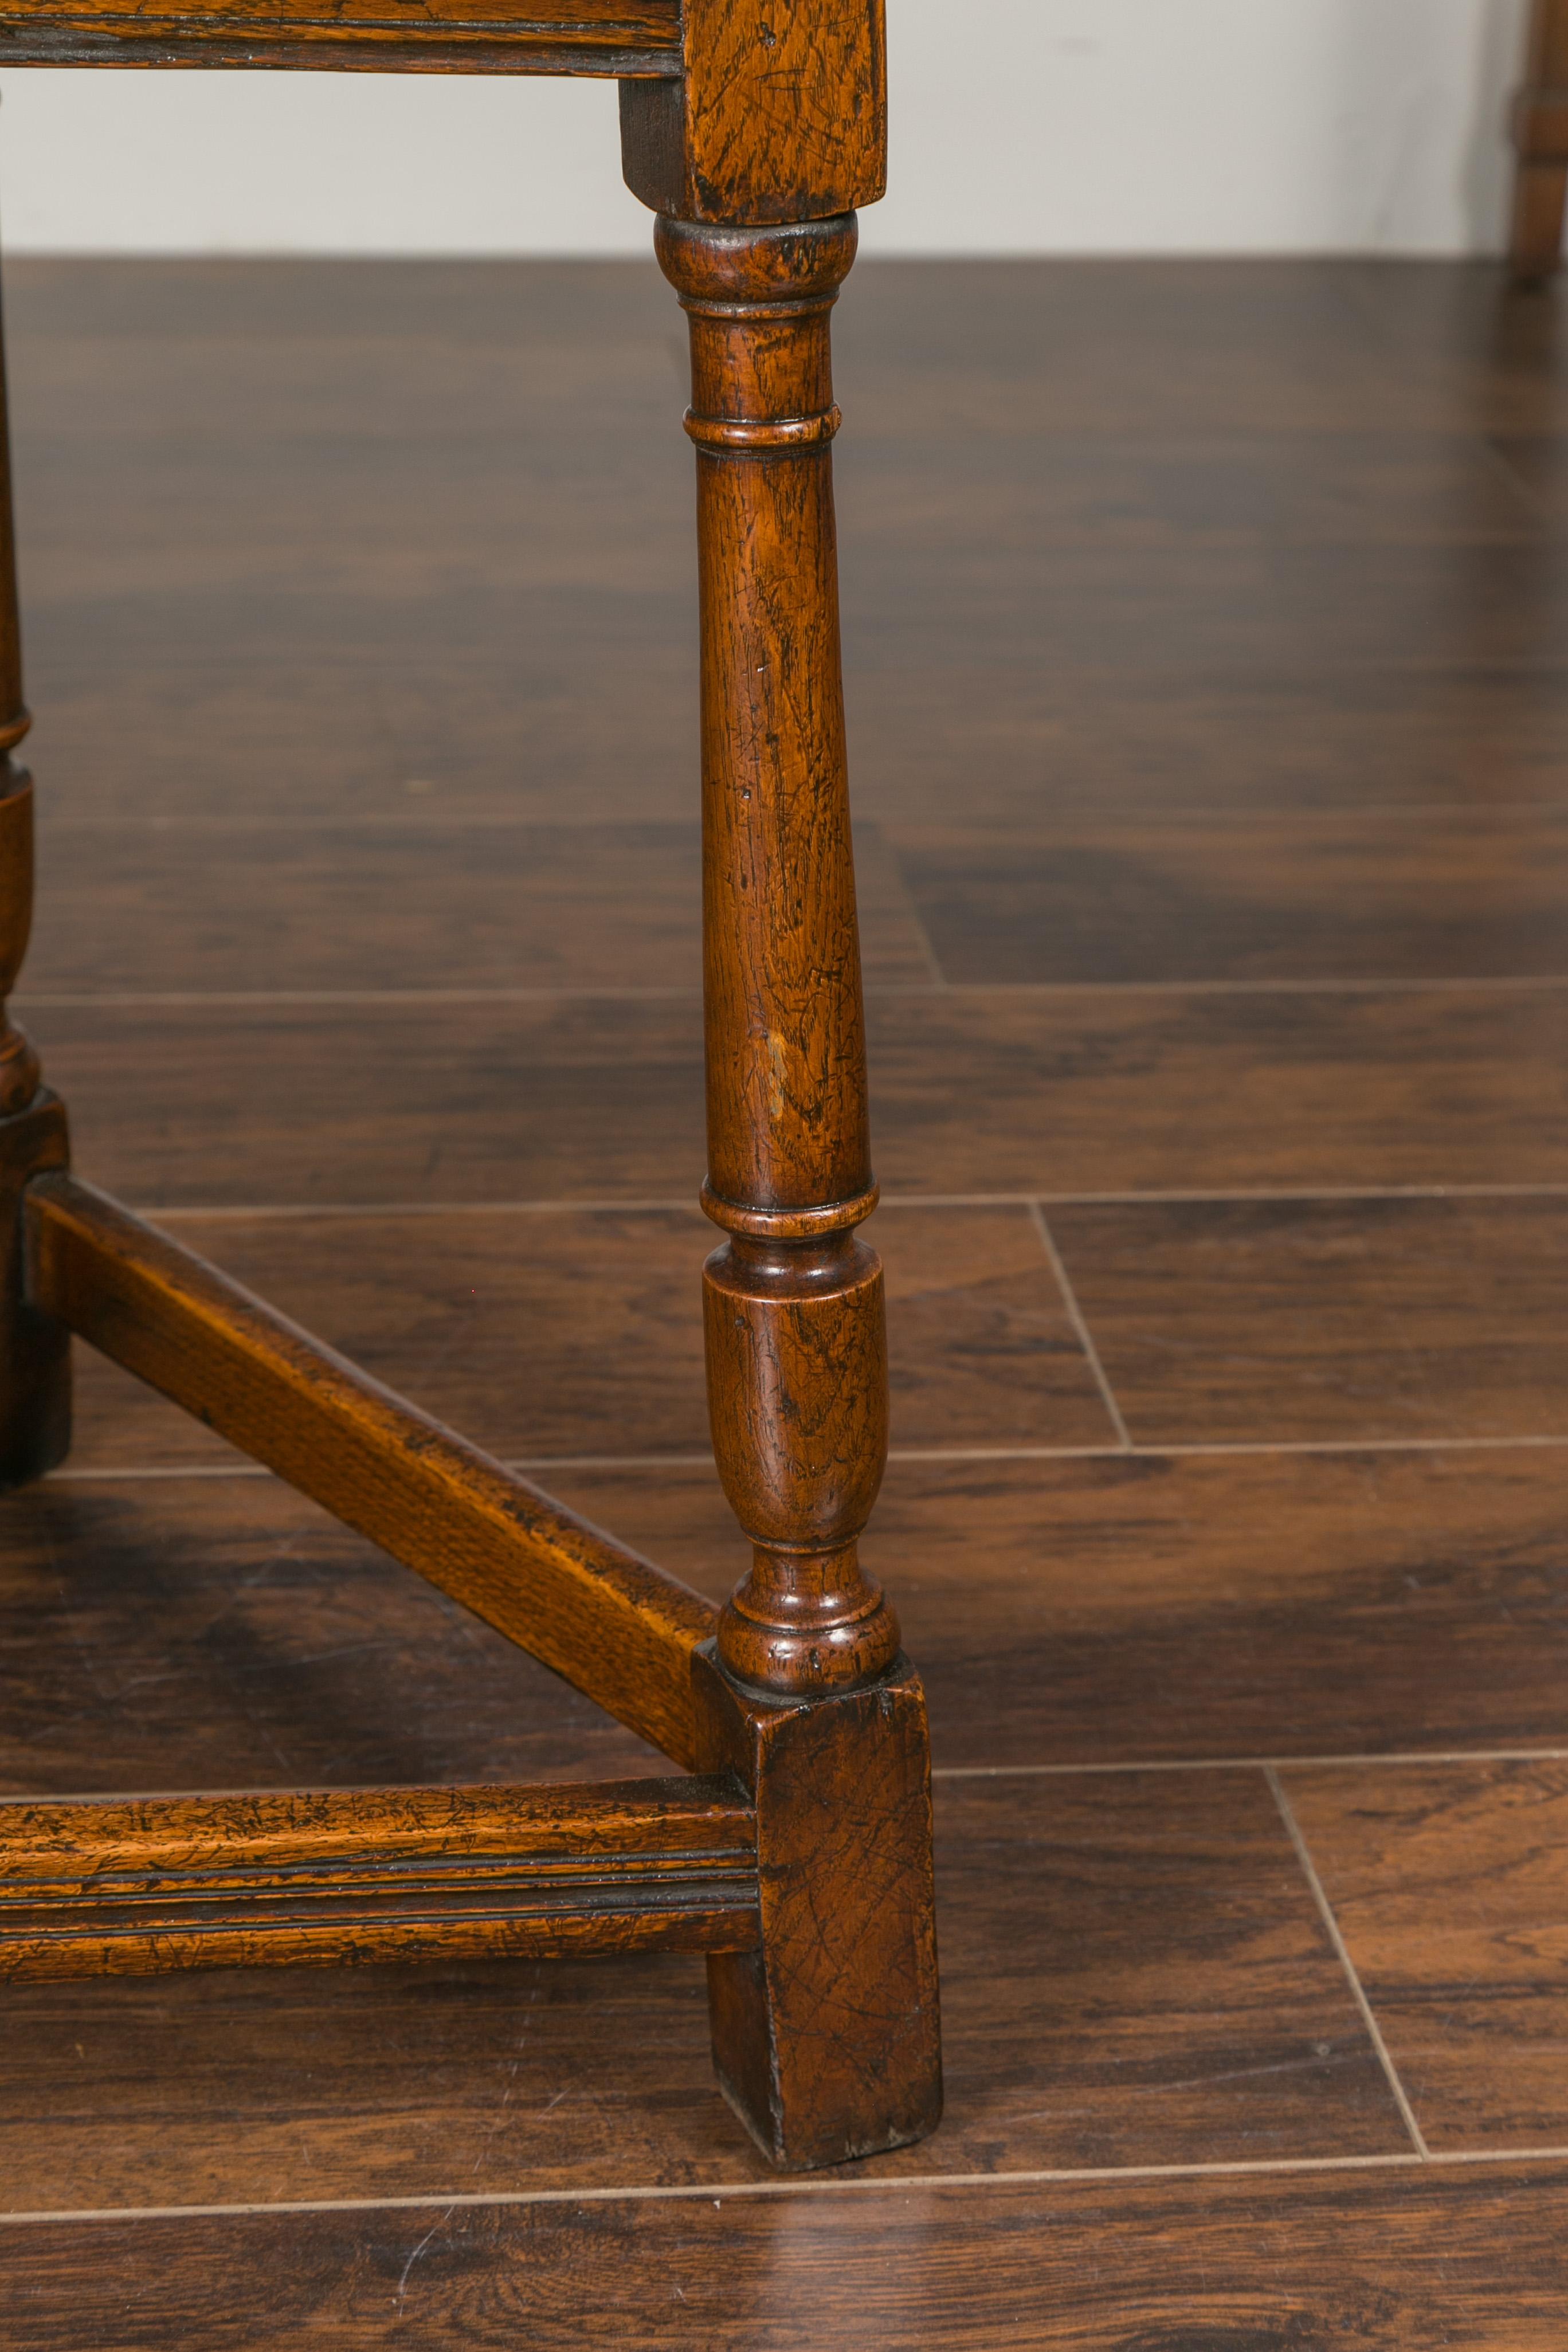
[(825, 2035), (1541, 137), (34, 1359)]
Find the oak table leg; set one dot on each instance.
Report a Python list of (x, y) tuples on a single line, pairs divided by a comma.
[(35, 1360), (1541, 137), (826, 2039)]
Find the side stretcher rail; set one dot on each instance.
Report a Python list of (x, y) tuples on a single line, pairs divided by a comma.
[(613, 1624), (628, 39), (346, 1875)]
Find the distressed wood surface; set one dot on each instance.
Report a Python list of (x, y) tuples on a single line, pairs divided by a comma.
[(561, 37), (826, 2031), (608, 1621), (794, 1316), (780, 116), (346, 1876)]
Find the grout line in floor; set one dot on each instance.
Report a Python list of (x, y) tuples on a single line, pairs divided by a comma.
[(1085, 1338), (283, 1212), (527, 1465), (1249, 1764), (916, 920), (1421, 985), (1378, 1759), (1358, 1991), (717, 2191), (1365, 984), (1530, 499), (217, 1213), (77, 999), (1199, 1450), (437, 815)]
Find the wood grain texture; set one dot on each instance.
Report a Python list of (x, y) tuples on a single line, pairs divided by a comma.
[(826, 2038), (224, 1633), (1326, 1321), (342, 1878), (1130, 1967), (1335, 897), (1391, 2264), (411, 902), (1134, 1972), (1450, 1884), (168, 1634), (573, 36), (794, 1327), (580, 1332), (609, 1621), (827, 2031), (1004, 1091), (1243, 613), (371, 463), (1416, 1604), (1171, 347), (782, 119), (1110, 1611), (1165, 743), (1015, 489)]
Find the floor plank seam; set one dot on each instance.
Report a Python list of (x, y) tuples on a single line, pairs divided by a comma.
[(228, 1212), (1403, 1757), (1081, 1327), (916, 921), (720, 2191), (1399, 1756), (67, 825), (1428, 985), (528, 1465), (1326, 1911)]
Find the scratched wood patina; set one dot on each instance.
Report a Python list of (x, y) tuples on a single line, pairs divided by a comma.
[(335, 1878), (624, 37)]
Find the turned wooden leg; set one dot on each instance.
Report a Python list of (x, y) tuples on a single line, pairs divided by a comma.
[(1541, 137), (35, 1362), (827, 2039)]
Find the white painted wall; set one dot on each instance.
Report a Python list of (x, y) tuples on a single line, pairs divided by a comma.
[(1044, 126)]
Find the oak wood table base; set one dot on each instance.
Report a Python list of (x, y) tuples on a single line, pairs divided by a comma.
[(797, 1855)]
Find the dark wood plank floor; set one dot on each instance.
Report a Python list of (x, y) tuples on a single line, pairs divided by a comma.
[(1208, 643)]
